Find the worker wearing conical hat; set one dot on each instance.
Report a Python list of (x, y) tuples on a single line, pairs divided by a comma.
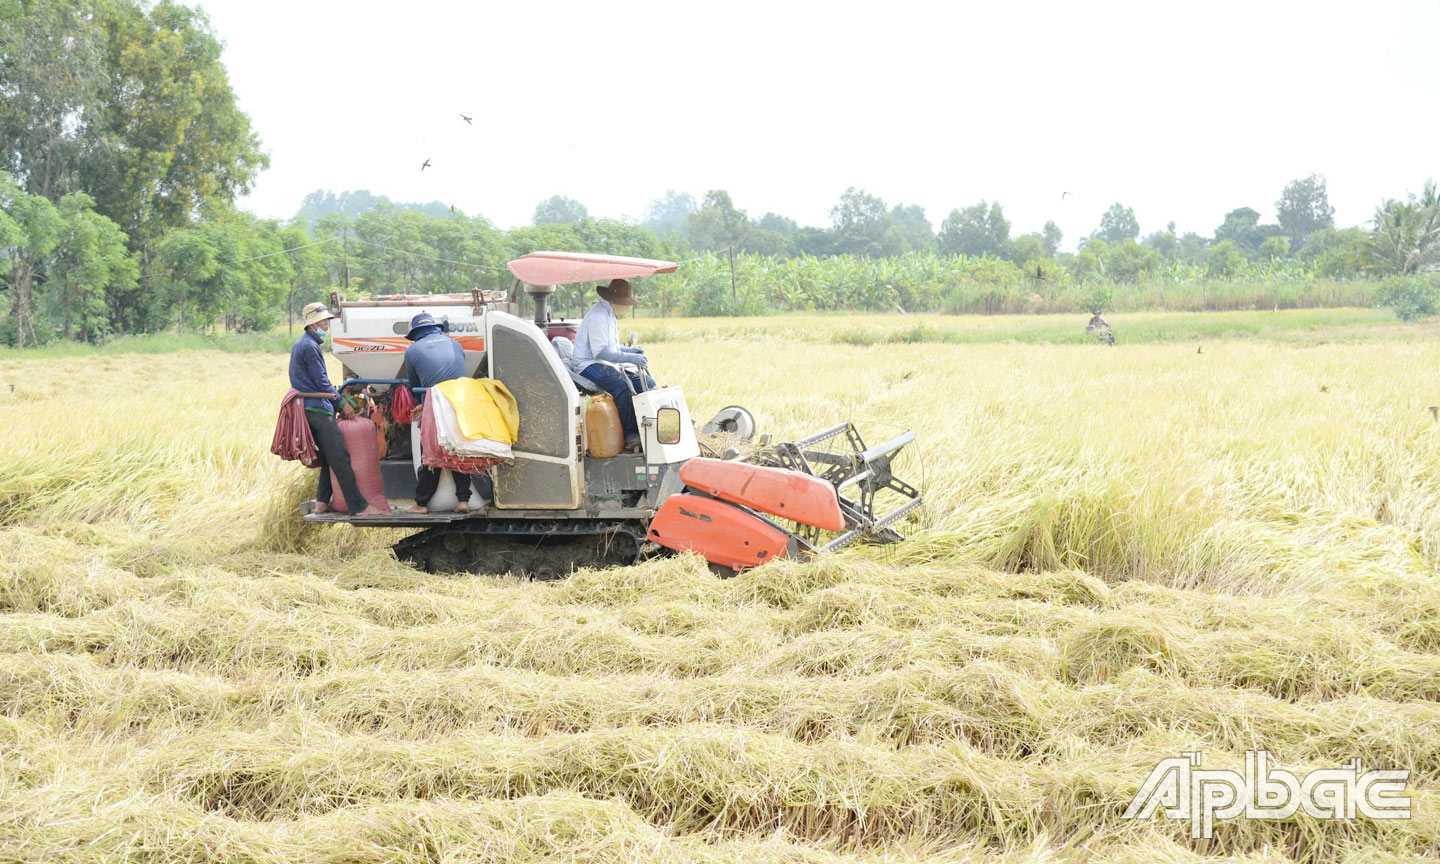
[(598, 353), (308, 375)]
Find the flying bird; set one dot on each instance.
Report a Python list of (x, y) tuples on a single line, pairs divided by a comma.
[(466, 119), (426, 165), (452, 209), (1062, 195)]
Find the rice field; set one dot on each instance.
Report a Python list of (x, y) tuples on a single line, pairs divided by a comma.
[(1127, 553)]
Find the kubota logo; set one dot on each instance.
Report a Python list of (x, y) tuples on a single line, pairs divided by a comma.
[(701, 516)]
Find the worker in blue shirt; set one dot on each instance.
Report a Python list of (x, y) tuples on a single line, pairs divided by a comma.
[(597, 343), (308, 375), (431, 358)]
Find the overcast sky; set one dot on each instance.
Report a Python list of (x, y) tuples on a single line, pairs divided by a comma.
[(1182, 111)]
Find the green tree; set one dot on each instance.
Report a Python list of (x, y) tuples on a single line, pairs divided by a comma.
[(230, 269), (323, 202), (129, 102), (1165, 242), (1224, 260), (256, 272), (1304, 208), (718, 225), (164, 138), (1337, 253), (1407, 233), (913, 227), (1052, 236), (1242, 228), (772, 244), (1027, 247), (335, 227), (859, 224), (558, 210), (670, 212), (188, 260), (31, 230), (980, 229), (309, 278), (1128, 261), (782, 225), (1192, 248), (814, 241), (773, 236), (1091, 262), (51, 71), (1274, 247), (1412, 297), (1118, 224), (91, 261)]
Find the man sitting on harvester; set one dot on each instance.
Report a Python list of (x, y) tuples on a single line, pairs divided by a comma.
[(308, 375), (434, 357), (598, 339)]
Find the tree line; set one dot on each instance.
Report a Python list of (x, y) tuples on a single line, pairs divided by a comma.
[(125, 152), (864, 226)]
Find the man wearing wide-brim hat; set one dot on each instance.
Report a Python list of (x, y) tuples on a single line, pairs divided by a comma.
[(598, 353), (308, 375)]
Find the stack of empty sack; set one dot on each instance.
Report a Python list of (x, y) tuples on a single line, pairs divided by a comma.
[(468, 424)]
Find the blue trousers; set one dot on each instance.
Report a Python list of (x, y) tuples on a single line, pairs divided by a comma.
[(611, 381)]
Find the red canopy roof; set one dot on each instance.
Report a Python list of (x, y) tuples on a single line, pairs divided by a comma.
[(564, 268)]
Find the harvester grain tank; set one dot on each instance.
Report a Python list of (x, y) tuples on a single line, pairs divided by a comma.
[(556, 504)]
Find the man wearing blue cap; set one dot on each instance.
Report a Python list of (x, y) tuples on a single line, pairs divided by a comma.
[(431, 358)]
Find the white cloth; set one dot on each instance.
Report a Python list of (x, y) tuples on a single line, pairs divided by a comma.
[(453, 441)]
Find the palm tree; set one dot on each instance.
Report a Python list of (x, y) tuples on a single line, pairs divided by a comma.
[(1407, 233)]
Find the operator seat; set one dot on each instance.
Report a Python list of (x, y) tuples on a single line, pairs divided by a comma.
[(566, 349)]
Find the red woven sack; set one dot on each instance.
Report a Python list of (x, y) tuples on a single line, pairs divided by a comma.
[(402, 404), (359, 435)]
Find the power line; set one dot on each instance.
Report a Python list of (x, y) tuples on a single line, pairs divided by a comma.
[(281, 252), (431, 257)]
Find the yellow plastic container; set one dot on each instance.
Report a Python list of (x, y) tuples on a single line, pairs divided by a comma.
[(605, 437)]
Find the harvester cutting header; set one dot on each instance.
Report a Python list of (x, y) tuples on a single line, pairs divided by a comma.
[(593, 478)]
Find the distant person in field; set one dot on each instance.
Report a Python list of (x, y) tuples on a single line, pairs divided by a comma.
[(308, 375), (598, 352), (1099, 329), (431, 358)]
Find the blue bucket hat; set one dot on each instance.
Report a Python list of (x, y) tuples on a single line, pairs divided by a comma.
[(421, 322)]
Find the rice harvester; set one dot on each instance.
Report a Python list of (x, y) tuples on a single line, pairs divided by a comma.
[(557, 505)]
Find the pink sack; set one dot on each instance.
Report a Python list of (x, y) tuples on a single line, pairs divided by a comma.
[(359, 435)]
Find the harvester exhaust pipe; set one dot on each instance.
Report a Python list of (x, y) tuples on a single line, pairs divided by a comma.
[(540, 296)]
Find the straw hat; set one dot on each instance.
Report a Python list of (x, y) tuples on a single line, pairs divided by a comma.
[(315, 313)]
